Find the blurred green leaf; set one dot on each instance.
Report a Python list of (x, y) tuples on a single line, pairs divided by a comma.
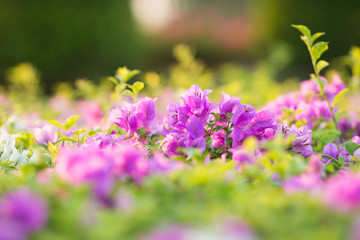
[(351, 147), (305, 31), (318, 49), (339, 95), (321, 65), (70, 121), (137, 87)]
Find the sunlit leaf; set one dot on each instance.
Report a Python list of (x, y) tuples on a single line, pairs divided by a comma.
[(321, 65), (339, 95), (305, 31), (318, 49)]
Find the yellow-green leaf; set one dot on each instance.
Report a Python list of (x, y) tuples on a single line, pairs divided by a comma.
[(137, 87), (124, 74), (318, 49), (321, 65), (305, 31), (64, 138), (56, 123), (339, 95), (70, 121), (316, 36)]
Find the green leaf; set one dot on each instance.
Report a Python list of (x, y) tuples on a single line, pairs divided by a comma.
[(131, 74), (305, 31), (56, 123), (339, 95), (318, 49), (129, 93), (64, 138), (137, 87), (124, 74), (217, 128), (351, 147), (70, 121), (321, 65), (80, 131), (113, 80), (119, 88), (336, 162), (316, 36)]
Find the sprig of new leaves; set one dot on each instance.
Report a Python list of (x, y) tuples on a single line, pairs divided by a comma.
[(122, 76), (316, 49)]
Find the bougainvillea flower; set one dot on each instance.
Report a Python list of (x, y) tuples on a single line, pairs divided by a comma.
[(21, 214), (86, 165), (129, 161), (145, 111), (243, 114), (342, 191), (227, 104), (125, 117), (45, 134)]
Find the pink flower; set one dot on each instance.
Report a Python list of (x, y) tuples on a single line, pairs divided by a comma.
[(86, 165), (45, 134), (125, 117), (145, 111), (343, 191), (129, 161)]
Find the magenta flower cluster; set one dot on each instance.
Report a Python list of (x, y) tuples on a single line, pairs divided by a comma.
[(101, 166), (196, 122), (132, 117)]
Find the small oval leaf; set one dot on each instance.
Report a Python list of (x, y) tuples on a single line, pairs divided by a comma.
[(318, 49), (305, 31), (321, 65), (339, 95)]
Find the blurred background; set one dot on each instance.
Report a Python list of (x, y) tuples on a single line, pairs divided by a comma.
[(68, 40)]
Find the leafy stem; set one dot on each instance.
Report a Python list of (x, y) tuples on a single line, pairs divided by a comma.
[(315, 51)]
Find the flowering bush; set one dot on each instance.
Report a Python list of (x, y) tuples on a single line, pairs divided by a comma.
[(106, 162)]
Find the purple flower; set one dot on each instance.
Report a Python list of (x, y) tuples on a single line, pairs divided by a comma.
[(332, 150), (197, 102), (92, 112), (129, 162), (342, 191), (45, 134), (159, 163), (195, 128), (195, 133), (243, 114), (125, 118), (145, 111), (310, 87), (304, 182), (172, 142), (21, 214), (287, 101), (227, 104), (242, 157), (302, 143), (218, 138), (103, 140), (263, 120), (86, 165), (303, 138), (310, 180)]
